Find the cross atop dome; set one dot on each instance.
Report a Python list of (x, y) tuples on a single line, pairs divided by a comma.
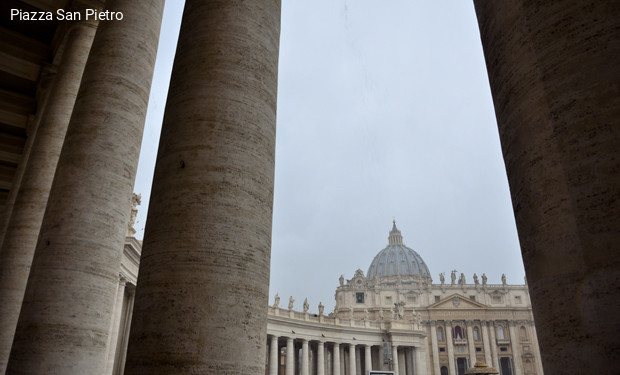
[(395, 237)]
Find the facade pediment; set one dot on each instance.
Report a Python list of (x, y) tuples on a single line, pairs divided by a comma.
[(456, 301)]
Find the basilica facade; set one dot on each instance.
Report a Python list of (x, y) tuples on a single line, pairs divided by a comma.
[(391, 318)]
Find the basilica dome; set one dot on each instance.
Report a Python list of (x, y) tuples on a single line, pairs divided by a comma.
[(397, 260)]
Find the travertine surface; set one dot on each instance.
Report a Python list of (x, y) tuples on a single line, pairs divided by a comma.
[(204, 273), (66, 313), (23, 228), (554, 73)]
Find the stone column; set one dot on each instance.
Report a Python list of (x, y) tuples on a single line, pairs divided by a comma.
[(421, 366), (487, 346), (320, 358), (24, 224), (65, 317), (536, 348), (516, 348), (352, 367), (273, 356), (550, 66), (493, 343), (304, 357), (450, 345), (207, 241), (290, 356), (115, 325), (435, 347), (395, 366), (470, 343), (122, 352), (336, 350), (367, 358)]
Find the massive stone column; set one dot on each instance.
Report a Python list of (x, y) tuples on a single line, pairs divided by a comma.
[(367, 358), (22, 231), (471, 347), (115, 326), (516, 348), (553, 68), (493, 343), (65, 317), (352, 361), (305, 364), (486, 343), (395, 366), (320, 358), (336, 350), (450, 345), (290, 356), (435, 347), (274, 362), (204, 273)]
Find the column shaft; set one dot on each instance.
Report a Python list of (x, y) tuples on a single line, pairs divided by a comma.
[(487, 346), (65, 316), (273, 356), (367, 358), (352, 367), (336, 350), (208, 234), (290, 357), (24, 224), (550, 65), (450, 344), (115, 326), (471, 345), (435, 347), (395, 366), (320, 359), (493, 344), (516, 348), (304, 357)]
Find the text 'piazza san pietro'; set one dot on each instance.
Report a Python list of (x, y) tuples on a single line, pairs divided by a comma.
[(65, 15)]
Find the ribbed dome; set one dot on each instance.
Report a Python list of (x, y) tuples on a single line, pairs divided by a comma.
[(397, 260)]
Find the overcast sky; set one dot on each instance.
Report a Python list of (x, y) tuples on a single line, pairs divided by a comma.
[(384, 112)]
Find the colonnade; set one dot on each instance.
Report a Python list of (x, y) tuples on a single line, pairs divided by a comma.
[(301, 356)]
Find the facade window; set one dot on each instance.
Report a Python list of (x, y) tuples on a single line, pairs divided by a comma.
[(476, 334), (359, 297), (412, 299), (458, 333), (388, 300), (496, 299), (503, 349), (473, 298), (517, 300), (444, 370), (461, 366), (500, 333), (437, 298), (478, 349), (442, 349), (439, 334)]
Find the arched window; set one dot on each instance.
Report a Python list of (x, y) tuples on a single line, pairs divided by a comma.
[(439, 334), (458, 332), (500, 333), (523, 333), (476, 334), (444, 370)]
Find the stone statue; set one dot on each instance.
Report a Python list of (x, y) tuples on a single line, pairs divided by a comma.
[(291, 301), (453, 277), (136, 200), (366, 314), (306, 305), (321, 308), (277, 301), (503, 279), (381, 314), (401, 310), (442, 278), (476, 279), (418, 318), (484, 279), (341, 280), (351, 314), (462, 279)]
